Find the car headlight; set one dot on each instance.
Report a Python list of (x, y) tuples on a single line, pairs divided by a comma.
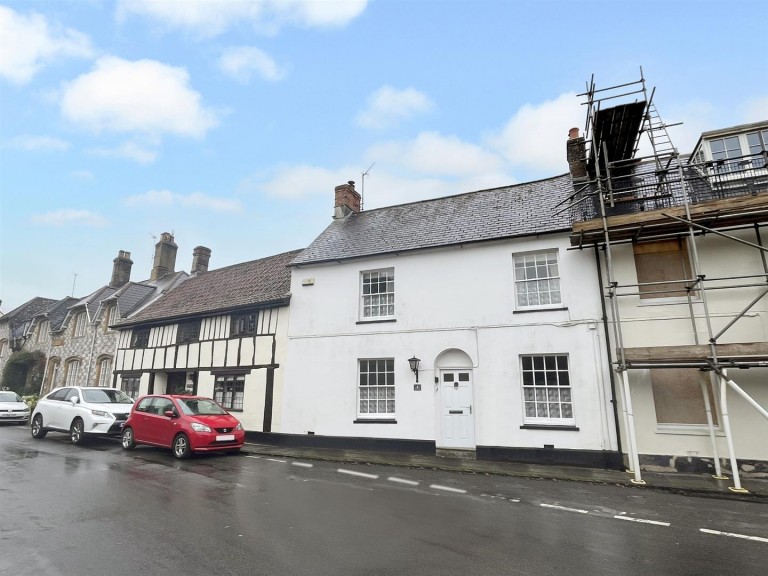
[(101, 413), (197, 427), (239, 426)]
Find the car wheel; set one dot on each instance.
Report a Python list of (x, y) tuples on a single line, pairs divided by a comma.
[(181, 448), (38, 431), (76, 433), (127, 440)]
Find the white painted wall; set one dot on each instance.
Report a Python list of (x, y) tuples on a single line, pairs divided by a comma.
[(651, 324), (454, 298)]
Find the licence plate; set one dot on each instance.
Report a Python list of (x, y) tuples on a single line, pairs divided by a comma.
[(224, 437)]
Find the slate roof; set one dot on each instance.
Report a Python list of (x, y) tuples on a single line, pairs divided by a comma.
[(497, 213), (238, 286), (133, 295), (93, 300), (57, 311), (28, 310)]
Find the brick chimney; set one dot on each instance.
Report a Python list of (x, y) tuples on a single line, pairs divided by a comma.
[(347, 200), (200, 257), (165, 256), (121, 270), (576, 154)]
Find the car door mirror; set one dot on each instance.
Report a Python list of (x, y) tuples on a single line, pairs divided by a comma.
[(74, 400), (169, 414)]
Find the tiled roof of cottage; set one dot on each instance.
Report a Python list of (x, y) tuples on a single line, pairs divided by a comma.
[(494, 214), (133, 295), (238, 286)]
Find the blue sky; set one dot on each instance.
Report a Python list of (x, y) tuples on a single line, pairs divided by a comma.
[(228, 123)]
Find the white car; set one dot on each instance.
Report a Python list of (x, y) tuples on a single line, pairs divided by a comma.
[(13, 408), (81, 412)]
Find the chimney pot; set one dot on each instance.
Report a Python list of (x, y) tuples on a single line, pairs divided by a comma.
[(347, 200), (200, 257), (573, 133), (121, 269), (165, 256)]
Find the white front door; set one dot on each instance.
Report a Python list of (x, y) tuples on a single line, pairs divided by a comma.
[(458, 421)]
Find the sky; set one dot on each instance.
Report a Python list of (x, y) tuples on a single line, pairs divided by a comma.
[(229, 122)]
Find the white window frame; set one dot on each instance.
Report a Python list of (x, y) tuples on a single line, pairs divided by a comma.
[(379, 377), (80, 321), (73, 367), (542, 404), (111, 317), (522, 266), (372, 279), (105, 371)]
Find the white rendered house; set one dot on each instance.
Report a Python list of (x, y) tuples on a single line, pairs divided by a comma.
[(480, 295)]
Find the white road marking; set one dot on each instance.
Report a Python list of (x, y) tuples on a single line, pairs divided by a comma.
[(403, 481), (276, 460), (447, 488), (302, 464), (248, 456), (360, 474), (641, 520), (556, 507), (734, 535)]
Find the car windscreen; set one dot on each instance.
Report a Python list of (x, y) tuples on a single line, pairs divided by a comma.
[(10, 397), (200, 406), (106, 397)]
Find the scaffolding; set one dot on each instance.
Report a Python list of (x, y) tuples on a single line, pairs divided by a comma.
[(620, 197)]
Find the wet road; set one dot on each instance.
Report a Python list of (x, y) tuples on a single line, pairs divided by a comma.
[(67, 510)]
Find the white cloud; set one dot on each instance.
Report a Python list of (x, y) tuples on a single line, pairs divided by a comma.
[(143, 96), (387, 106), (128, 150), (29, 42), (37, 143), (241, 62), (70, 216), (535, 137), (435, 154), (213, 17), (194, 200)]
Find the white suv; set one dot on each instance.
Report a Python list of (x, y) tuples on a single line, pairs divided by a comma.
[(81, 412)]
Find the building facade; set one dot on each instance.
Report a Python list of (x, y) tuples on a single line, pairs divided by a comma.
[(221, 333), (460, 323)]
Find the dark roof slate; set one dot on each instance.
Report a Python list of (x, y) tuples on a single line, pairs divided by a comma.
[(28, 310), (232, 287), (58, 311), (507, 212)]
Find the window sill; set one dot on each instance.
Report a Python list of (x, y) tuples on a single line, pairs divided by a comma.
[(374, 421), (376, 321), (688, 430), (527, 310), (564, 428), (667, 301)]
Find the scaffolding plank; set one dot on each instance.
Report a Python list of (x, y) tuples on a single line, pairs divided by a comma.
[(696, 352), (727, 211)]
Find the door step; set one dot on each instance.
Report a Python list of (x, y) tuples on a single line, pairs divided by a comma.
[(460, 453)]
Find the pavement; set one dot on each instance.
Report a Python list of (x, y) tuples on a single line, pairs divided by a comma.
[(676, 482)]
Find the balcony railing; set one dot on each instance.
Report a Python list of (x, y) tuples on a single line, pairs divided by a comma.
[(657, 185)]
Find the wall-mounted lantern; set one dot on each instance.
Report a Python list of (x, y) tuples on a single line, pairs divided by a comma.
[(414, 364)]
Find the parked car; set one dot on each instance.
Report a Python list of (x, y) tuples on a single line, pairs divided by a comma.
[(82, 412), (185, 424), (13, 408)]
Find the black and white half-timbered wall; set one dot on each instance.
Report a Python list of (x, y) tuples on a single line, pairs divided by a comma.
[(220, 334)]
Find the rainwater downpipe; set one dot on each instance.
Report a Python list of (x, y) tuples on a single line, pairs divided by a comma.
[(608, 350)]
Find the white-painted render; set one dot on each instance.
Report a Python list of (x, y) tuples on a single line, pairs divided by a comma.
[(657, 323), (455, 310)]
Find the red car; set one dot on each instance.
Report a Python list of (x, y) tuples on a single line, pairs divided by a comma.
[(185, 424)]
